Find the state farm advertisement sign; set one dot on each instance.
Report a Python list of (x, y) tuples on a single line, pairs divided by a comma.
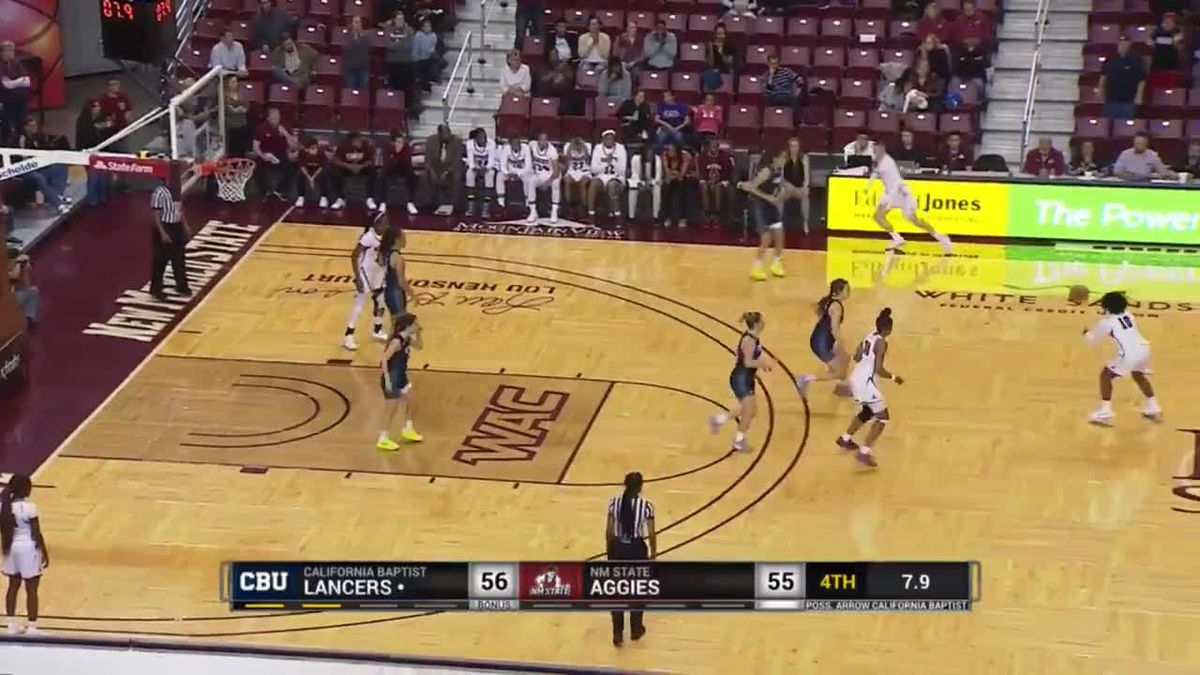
[(129, 166)]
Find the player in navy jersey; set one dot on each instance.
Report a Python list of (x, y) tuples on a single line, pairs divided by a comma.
[(1132, 359), (397, 390), (766, 212), (868, 368), (826, 339), (396, 290), (747, 360)]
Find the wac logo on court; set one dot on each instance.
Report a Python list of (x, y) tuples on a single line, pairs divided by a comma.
[(1190, 491), (512, 427)]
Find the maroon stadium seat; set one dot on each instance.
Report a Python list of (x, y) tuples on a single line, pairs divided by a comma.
[(1092, 127), (254, 96), (870, 31), (225, 10), (777, 126), (363, 8), (654, 83), (543, 117), (724, 93), (323, 10), (209, 29), (287, 99), (1194, 99), (862, 62), (644, 20), (533, 51), (691, 57), (1090, 109), (676, 23), (884, 126), (317, 109), (738, 28), (968, 92), (354, 110), (817, 114), (1138, 34), (836, 32), (1167, 104), (241, 30), (802, 31), (1167, 135), (1123, 130), (951, 122), (1193, 129), (296, 8), (512, 117), (815, 139), (857, 94), (1089, 94), (576, 18), (338, 38), (846, 124), (797, 58), (686, 87), (742, 124), (756, 58), (749, 91), (580, 125), (823, 89), (611, 20), (902, 34), (710, 7), (684, 7), (195, 58), (828, 61), (314, 36), (587, 80), (893, 55), (390, 110), (767, 30), (606, 116), (1104, 34), (328, 71), (700, 27)]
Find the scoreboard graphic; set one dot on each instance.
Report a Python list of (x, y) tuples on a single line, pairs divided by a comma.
[(928, 586)]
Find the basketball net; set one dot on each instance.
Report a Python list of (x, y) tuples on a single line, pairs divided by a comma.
[(232, 174)]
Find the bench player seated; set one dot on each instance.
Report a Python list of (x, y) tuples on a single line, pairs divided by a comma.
[(544, 174), (610, 166), (354, 157), (312, 179), (480, 179), (513, 167)]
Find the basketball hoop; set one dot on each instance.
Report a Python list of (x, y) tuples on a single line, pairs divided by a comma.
[(232, 175)]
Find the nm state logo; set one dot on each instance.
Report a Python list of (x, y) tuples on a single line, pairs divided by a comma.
[(512, 427), (549, 583)]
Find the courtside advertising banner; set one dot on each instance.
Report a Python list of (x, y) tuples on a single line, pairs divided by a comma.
[(1099, 211)]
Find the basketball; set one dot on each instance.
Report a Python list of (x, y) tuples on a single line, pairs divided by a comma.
[(1078, 295)]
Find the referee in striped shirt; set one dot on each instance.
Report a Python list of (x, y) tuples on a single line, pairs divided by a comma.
[(169, 235), (630, 528)]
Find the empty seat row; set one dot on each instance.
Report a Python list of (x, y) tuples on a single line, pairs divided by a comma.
[(327, 70), (321, 107)]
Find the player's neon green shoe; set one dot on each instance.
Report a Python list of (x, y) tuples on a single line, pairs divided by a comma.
[(777, 269), (410, 434), (387, 444), (758, 273)]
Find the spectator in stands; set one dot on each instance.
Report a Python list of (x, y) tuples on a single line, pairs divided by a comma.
[(269, 26), (955, 157), (933, 23), (1044, 161), (311, 166), (1166, 43), (1140, 162), (91, 128), (119, 108), (356, 56), (716, 178), (924, 80), (908, 10), (971, 64), (794, 189), (709, 117), (515, 77), (1191, 163), (615, 81), (293, 63), (937, 54), (594, 46), (1086, 163), (529, 19), (673, 120), (721, 58), (355, 157), (238, 133), (1122, 82), (628, 46), (272, 145), (636, 118), (892, 97), (861, 146), (229, 55), (443, 175), (970, 24), (399, 55), (746, 8), (557, 77), (425, 55), (397, 168), (561, 41), (15, 85), (678, 170), (660, 48), (51, 180), (780, 84), (907, 150), (22, 285)]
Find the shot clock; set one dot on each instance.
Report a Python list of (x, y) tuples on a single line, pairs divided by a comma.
[(138, 30)]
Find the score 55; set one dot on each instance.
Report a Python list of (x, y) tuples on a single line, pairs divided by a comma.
[(779, 580)]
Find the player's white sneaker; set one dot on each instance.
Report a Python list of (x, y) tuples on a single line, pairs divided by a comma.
[(349, 343), (371, 205), (896, 244), (1101, 417), (1151, 411), (554, 213), (802, 383), (533, 216), (300, 202), (380, 336), (324, 203), (412, 209), (947, 246), (339, 204)]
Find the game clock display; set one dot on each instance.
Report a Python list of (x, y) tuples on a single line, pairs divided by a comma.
[(603, 585), (138, 30)]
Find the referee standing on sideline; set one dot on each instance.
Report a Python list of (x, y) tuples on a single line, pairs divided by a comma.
[(169, 235), (630, 527)]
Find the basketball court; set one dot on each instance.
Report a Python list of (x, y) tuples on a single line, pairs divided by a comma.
[(554, 366)]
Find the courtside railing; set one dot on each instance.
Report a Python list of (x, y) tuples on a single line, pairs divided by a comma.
[(1035, 73), (462, 76)]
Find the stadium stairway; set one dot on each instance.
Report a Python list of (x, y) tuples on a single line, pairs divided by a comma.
[(1058, 92), (474, 109)]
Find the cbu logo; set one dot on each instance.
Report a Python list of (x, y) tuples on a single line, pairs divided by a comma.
[(263, 581), (1191, 490)]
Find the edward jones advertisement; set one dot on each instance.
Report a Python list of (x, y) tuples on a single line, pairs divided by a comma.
[(1099, 211)]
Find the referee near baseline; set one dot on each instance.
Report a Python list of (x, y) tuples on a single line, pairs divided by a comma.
[(169, 235), (630, 527)]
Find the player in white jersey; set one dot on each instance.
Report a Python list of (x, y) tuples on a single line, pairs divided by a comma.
[(610, 164), (897, 195), (577, 156), (869, 368), (23, 549), (513, 165), (369, 277), (544, 173), (481, 171), (1133, 357)]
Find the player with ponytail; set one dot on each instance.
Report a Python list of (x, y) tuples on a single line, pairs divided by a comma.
[(748, 358), (826, 340), (23, 548)]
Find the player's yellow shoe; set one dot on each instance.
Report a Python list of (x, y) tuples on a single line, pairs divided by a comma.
[(387, 444), (758, 273), (777, 269), (409, 434)]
